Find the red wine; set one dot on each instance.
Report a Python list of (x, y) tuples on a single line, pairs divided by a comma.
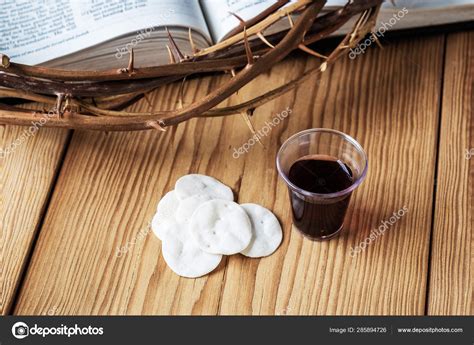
[(319, 218)]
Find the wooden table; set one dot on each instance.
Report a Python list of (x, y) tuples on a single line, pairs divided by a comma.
[(71, 198)]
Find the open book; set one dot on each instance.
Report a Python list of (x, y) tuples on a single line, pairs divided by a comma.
[(99, 34)]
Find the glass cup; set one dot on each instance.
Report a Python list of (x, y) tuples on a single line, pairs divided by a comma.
[(321, 168)]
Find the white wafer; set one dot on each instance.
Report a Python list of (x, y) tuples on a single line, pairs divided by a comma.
[(161, 226), (196, 184), (182, 254), (221, 227), (166, 211), (187, 207), (266, 231)]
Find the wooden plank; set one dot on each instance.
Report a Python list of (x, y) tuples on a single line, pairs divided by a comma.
[(110, 184), (377, 101), (29, 160), (118, 180), (451, 288)]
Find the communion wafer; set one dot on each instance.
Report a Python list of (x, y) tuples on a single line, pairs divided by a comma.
[(266, 231), (161, 226), (166, 210), (196, 184), (187, 207), (182, 254), (221, 227)]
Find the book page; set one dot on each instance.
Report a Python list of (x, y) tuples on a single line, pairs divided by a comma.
[(219, 18), (423, 4), (221, 21), (33, 32)]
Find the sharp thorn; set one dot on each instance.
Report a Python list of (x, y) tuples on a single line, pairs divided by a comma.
[(156, 125), (311, 51), (239, 18), (246, 116), (264, 40), (290, 20), (4, 61), (181, 94), (130, 68), (248, 51), (59, 104), (174, 46), (191, 42), (377, 41), (170, 54), (323, 66)]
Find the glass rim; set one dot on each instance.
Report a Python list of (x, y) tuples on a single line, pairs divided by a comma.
[(346, 137)]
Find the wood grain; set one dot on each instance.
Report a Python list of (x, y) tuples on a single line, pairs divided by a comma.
[(29, 160), (452, 268), (110, 184)]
